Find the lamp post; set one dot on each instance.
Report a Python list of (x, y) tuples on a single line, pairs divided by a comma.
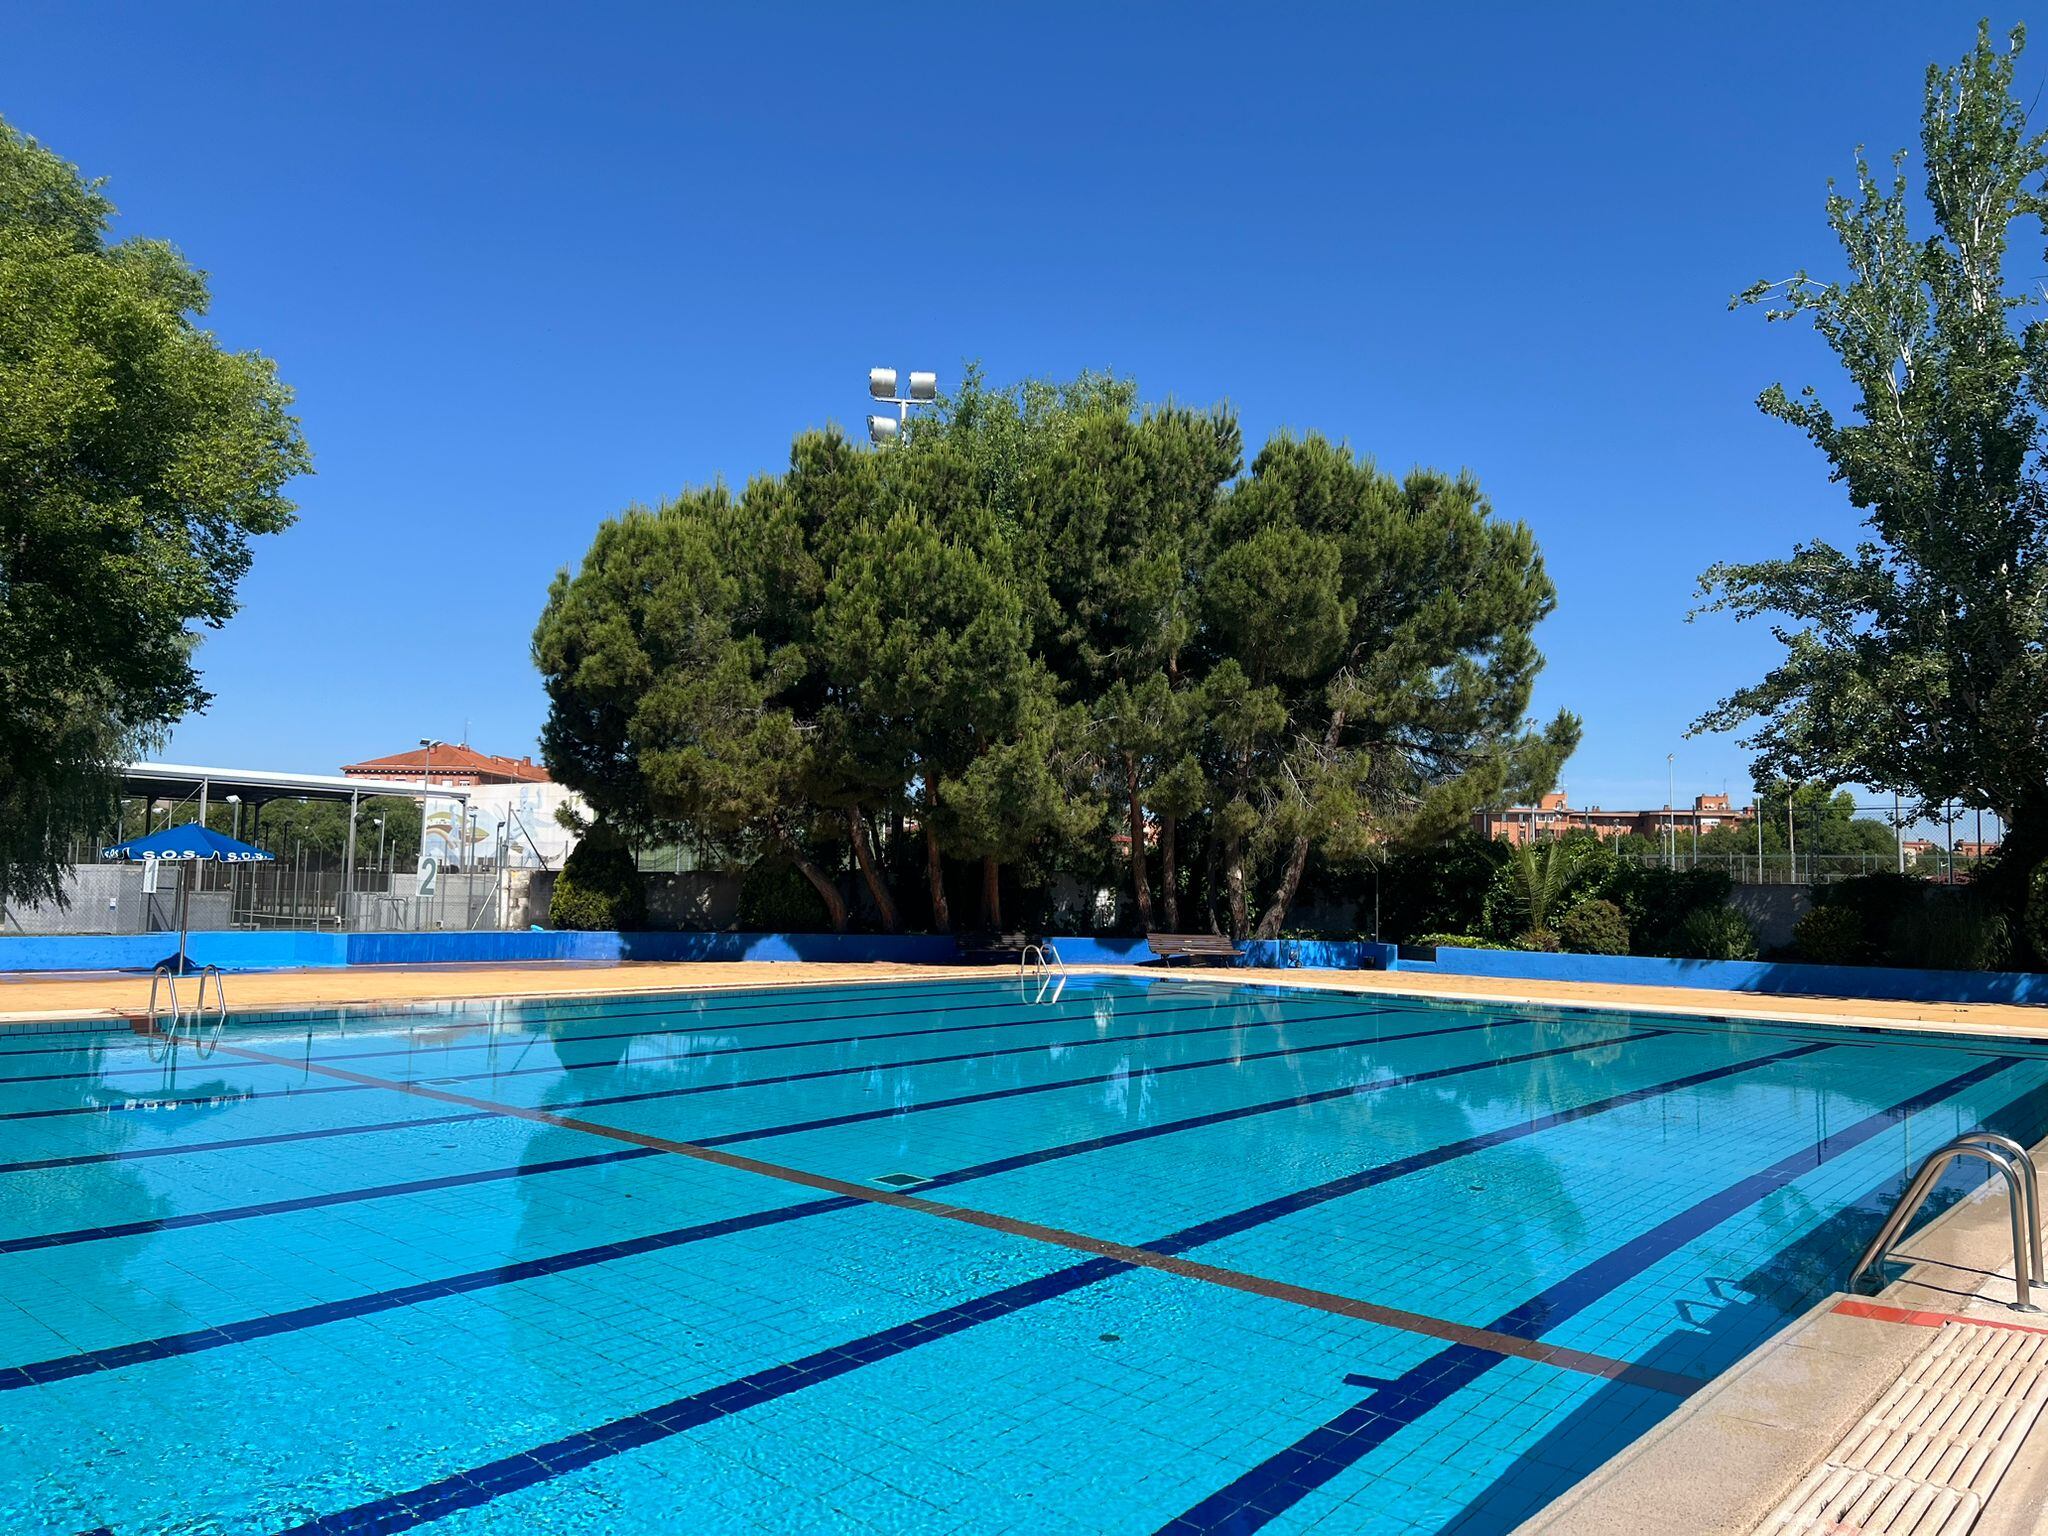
[(924, 390), (1671, 804), (426, 783), (380, 842), (236, 802)]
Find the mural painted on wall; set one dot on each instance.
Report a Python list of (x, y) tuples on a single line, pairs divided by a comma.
[(503, 826)]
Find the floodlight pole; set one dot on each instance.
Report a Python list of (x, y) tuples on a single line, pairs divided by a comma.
[(923, 390), (1671, 803)]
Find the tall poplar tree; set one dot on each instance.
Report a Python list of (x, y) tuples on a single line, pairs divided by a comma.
[(1917, 661)]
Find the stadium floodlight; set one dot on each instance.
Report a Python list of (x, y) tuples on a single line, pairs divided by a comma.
[(924, 390)]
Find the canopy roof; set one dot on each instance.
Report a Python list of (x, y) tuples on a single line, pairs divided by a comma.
[(190, 841)]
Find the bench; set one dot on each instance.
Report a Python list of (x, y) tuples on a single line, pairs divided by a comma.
[(1192, 946)]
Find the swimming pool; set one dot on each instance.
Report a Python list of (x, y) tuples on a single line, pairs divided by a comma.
[(1117, 1256)]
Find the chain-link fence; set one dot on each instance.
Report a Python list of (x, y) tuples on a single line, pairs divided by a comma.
[(308, 893), (1937, 865)]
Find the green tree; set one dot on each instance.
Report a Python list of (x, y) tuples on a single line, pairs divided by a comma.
[(138, 458), (1119, 509), (926, 632), (668, 666), (1914, 662), (1390, 623)]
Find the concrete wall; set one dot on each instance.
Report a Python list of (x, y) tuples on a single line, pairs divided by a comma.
[(1763, 976), (1772, 910)]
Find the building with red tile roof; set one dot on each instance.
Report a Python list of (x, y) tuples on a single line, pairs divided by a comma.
[(448, 762)]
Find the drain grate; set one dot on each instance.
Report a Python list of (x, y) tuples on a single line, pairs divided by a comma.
[(1925, 1459), (898, 1180)]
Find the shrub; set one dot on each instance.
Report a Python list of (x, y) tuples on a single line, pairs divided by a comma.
[(1831, 935), (1657, 902), (1951, 930), (1594, 927), (1714, 933), (1878, 901), (1448, 941), (1439, 888), (1541, 940), (599, 886), (2034, 919), (776, 898)]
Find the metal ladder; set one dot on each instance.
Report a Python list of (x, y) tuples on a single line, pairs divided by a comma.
[(2010, 1159), (1050, 969), (1041, 957), (165, 977)]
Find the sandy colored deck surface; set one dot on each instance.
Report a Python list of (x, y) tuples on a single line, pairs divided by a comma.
[(26, 997)]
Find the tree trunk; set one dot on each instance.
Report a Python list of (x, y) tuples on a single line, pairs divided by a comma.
[(1139, 885), (1167, 876), (991, 893), (1297, 856), (934, 873), (835, 904), (864, 855), (1212, 857), (1283, 897), (1233, 876)]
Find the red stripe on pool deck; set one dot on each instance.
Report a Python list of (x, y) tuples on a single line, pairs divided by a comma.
[(1915, 1317)]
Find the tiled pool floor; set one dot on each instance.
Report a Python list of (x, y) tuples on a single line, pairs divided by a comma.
[(943, 1256)]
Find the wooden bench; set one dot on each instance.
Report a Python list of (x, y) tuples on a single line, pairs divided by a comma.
[(1192, 946)]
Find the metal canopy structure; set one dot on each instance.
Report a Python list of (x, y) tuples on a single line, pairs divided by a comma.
[(188, 782)]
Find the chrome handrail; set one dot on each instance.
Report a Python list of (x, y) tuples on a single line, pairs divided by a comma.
[(2010, 1159)]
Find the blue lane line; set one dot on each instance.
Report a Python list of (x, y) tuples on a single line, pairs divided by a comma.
[(83, 1159), (140, 1228), (63, 1367), (557, 1068), (684, 1025), (1285, 1478), (480, 1485)]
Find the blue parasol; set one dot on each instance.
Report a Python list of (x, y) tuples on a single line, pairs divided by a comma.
[(187, 844)]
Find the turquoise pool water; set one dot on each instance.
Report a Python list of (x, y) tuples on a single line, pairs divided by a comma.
[(1176, 1256)]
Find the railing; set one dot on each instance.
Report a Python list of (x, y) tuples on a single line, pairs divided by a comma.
[(167, 1030), (1041, 957), (2010, 1159)]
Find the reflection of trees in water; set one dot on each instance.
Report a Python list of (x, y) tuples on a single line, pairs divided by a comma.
[(557, 1212), (1809, 1257), (112, 1275)]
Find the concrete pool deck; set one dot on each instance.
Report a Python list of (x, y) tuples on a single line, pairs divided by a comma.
[(42, 998)]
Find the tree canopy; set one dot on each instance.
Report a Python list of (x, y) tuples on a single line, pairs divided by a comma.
[(1917, 662), (1054, 632), (138, 458)]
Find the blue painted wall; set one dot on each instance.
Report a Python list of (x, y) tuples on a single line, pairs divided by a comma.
[(1882, 982), (284, 951), (141, 952)]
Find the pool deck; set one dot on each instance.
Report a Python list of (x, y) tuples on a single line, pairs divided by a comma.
[(41, 998)]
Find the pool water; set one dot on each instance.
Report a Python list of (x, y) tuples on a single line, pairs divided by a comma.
[(1110, 1255)]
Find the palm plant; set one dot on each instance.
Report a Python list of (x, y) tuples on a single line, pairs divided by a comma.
[(1537, 875)]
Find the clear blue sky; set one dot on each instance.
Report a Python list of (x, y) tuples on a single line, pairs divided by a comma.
[(527, 265)]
